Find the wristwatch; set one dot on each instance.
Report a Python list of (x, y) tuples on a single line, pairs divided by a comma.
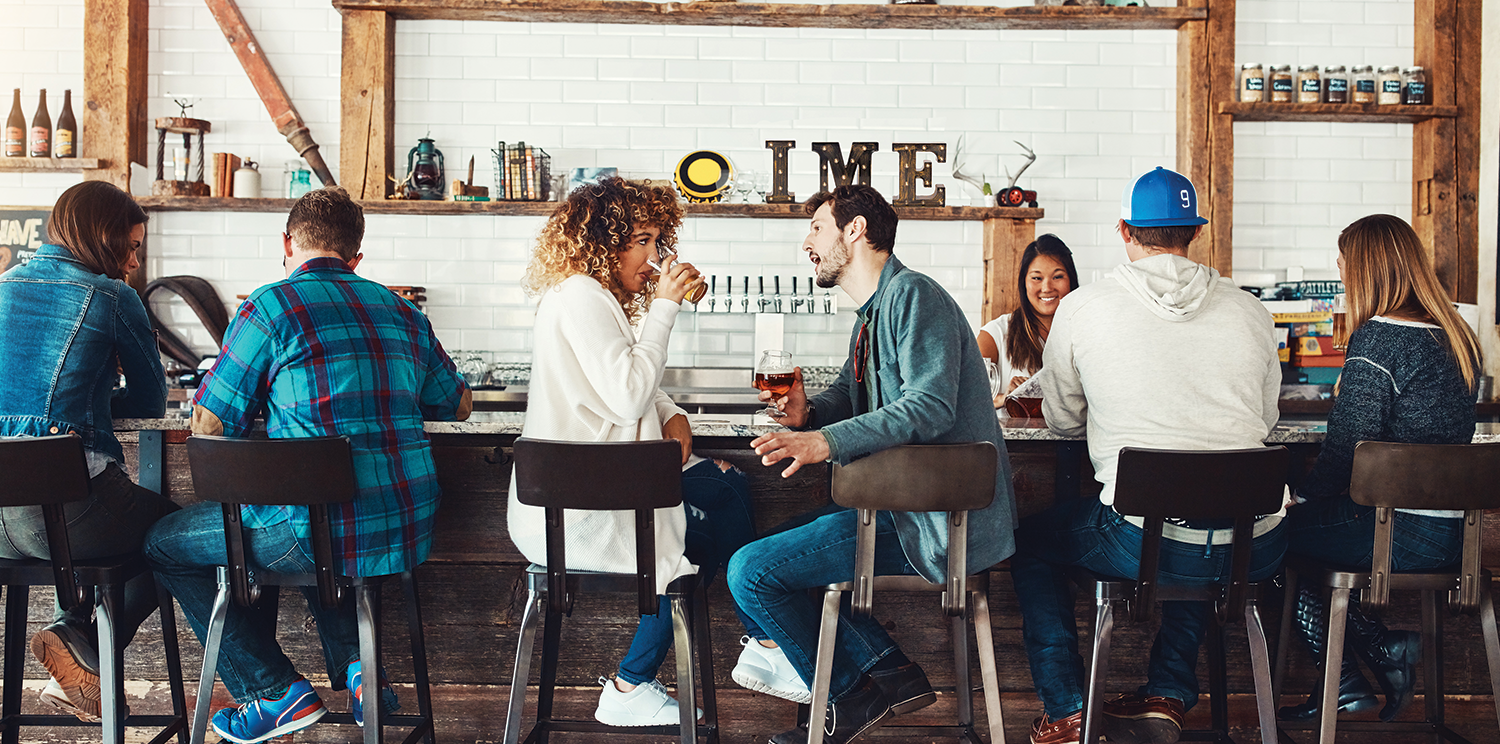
[(812, 410)]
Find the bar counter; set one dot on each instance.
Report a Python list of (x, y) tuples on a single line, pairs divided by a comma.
[(473, 592)]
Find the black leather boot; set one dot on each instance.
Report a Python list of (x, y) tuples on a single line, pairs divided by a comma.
[(1391, 655), (1311, 623)]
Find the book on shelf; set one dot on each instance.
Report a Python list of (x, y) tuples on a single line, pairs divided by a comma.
[(225, 165)]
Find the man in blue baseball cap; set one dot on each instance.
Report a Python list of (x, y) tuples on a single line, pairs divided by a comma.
[(1162, 353)]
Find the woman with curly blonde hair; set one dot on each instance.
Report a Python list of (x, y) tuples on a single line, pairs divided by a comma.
[(598, 351)]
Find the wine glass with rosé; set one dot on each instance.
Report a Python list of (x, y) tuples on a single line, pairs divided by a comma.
[(774, 374)]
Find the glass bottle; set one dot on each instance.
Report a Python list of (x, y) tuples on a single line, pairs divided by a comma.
[(1252, 82), (1414, 87), (1309, 84), (1389, 85), (65, 137), (1283, 84), (15, 129), (1363, 83), (298, 179), (39, 140), (1335, 84)]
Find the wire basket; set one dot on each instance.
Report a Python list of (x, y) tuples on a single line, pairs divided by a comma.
[(522, 173)]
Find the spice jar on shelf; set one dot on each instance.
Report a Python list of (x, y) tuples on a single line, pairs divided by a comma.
[(1283, 84), (1362, 84), (1309, 84), (1414, 86), (1389, 83), (1252, 82), (1335, 84)]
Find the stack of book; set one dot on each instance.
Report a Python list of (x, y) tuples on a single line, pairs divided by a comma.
[(224, 167), (522, 173)]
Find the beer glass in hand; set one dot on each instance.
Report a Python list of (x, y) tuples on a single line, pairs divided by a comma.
[(774, 373), (694, 292)]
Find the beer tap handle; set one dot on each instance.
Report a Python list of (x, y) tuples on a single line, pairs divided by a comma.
[(713, 291), (745, 301), (796, 299), (777, 280)]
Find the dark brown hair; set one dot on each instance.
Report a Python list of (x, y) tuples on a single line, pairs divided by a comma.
[(858, 200), (1171, 237), (93, 221), (1023, 340), (327, 220)]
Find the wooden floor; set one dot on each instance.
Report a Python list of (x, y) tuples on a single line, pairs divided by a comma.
[(475, 715)]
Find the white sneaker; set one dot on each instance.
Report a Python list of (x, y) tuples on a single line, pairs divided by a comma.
[(767, 670), (648, 704)]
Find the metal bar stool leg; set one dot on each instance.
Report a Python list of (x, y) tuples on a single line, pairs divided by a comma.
[(418, 654), (1338, 616), (1260, 669), (214, 636), (1432, 651), (367, 612), (828, 631), (551, 648), (1093, 702), (1218, 687), (963, 681), (988, 673), (687, 700), (111, 663), (1491, 642), (521, 673), (165, 609), (704, 640), (1284, 636), (15, 659)]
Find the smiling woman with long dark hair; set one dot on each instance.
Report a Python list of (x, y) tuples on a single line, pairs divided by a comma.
[(69, 327), (1014, 341)]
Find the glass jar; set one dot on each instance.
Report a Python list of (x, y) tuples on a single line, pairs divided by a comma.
[(1283, 84), (1362, 84), (1389, 84), (1414, 86), (1252, 82), (1309, 84), (1335, 84)]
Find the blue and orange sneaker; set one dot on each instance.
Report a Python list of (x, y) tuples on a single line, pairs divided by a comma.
[(389, 703), (259, 720)]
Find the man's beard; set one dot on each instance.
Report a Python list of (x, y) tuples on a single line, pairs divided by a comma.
[(831, 269)]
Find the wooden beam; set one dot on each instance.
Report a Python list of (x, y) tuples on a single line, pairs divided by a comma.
[(1004, 242), (1468, 71), (847, 15), (1193, 152), (112, 119), (1222, 85), (1434, 148), (368, 103)]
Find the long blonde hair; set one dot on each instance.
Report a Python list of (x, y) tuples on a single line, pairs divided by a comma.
[(1387, 271), (589, 229)]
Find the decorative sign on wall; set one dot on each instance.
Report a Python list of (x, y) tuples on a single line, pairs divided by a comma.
[(22, 231), (857, 169)]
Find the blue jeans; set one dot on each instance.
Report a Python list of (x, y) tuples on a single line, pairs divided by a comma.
[(184, 549), (770, 577), (719, 522), (1086, 533), (1341, 532)]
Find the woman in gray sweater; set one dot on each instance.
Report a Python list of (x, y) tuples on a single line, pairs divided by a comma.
[(1408, 377)]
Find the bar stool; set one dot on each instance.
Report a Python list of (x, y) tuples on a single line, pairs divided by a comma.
[(606, 476), (313, 472), (50, 472), (1227, 487), (953, 478), (1389, 476)]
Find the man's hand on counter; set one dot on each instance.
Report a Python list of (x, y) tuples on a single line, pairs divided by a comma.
[(803, 447), (793, 405), (680, 429)]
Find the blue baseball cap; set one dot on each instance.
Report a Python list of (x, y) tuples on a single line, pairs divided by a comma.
[(1160, 198)]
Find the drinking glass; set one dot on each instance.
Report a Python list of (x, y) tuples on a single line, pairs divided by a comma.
[(744, 185), (694, 292), (726, 194), (762, 184), (997, 383), (774, 373), (1340, 335)]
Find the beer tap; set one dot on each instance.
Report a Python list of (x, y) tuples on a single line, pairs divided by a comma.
[(745, 301), (777, 280), (761, 302), (796, 300), (712, 291), (827, 300)]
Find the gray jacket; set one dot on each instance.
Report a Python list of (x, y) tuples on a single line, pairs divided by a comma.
[(933, 389)]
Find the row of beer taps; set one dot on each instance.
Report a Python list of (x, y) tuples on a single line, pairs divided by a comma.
[(729, 301)]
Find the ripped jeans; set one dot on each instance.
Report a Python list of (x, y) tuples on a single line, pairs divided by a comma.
[(719, 521)]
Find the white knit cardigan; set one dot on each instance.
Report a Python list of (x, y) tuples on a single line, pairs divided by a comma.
[(593, 380)]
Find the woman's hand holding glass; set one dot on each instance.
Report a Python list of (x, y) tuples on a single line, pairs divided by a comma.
[(676, 280)]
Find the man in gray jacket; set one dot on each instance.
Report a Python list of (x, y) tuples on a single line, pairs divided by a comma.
[(1163, 353), (914, 376)]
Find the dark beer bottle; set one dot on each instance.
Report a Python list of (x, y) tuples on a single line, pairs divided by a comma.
[(40, 140), (65, 137), (15, 129)]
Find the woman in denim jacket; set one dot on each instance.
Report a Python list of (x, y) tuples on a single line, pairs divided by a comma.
[(69, 326)]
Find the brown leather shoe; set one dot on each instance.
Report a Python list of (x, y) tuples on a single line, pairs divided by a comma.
[(1136, 719), (1063, 731)]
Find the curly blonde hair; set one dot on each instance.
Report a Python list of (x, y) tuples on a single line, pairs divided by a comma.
[(591, 227)]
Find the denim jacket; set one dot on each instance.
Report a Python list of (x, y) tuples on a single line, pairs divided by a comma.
[(933, 389), (63, 331)]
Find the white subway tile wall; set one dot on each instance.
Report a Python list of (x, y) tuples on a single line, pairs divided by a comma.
[(1096, 106)]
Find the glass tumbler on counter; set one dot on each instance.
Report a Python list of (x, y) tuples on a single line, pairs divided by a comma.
[(473, 367)]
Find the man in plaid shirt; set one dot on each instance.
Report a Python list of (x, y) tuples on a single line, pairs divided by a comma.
[(323, 353)]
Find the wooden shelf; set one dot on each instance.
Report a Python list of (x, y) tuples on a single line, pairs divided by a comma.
[(1356, 112), (49, 165), (542, 209), (848, 15)]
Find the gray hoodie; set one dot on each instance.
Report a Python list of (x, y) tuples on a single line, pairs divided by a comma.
[(1161, 353)]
